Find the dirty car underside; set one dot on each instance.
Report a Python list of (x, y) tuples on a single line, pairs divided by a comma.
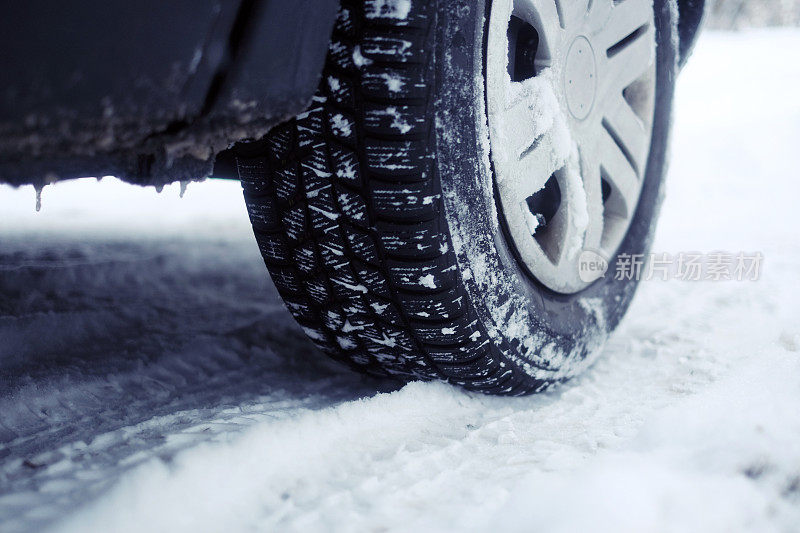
[(154, 92)]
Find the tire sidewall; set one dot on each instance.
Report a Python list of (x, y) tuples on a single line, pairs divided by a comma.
[(529, 323)]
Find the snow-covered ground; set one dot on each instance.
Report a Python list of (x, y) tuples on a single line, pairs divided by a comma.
[(150, 379)]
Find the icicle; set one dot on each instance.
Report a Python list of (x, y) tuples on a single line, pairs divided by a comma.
[(184, 186), (159, 188), (39, 188)]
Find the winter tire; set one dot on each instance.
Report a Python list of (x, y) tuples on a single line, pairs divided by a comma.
[(432, 214)]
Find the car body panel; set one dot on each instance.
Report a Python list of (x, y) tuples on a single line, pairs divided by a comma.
[(150, 91), (154, 92)]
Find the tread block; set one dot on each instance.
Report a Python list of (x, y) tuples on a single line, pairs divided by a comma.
[(453, 356), (344, 282), (373, 279), (445, 305), (342, 126), (391, 364), (425, 239), (323, 213), (340, 90), (405, 82), (301, 309), (319, 336), (355, 323), (309, 126), (263, 212), (253, 174), (448, 333), (404, 201), (352, 206), (362, 245), (273, 246), (332, 248), (281, 141), (407, 47), (317, 290), (305, 258), (314, 170), (285, 181), (354, 305), (340, 54), (392, 158), (347, 167), (480, 372), (346, 342), (431, 275), (385, 310), (344, 22), (382, 119), (395, 13), (378, 339), (332, 319), (286, 281), (294, 222)]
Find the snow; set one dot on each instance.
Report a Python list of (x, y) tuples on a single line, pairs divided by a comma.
[(427, 281), (333, 83), (397, 120), (324, 212), (340, 125), (152, 380), (360, 288), (393, 82), (579, 211), (358, 58), (394, 9), (531, 220)]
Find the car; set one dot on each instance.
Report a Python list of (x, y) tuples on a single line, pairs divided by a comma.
[(439, 188)]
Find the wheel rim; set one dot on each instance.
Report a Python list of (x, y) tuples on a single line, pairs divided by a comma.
[(570, 91)]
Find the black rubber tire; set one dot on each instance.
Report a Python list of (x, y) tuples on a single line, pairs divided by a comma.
[(358, 207)]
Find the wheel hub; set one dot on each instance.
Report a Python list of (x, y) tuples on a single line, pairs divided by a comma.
[(579, 78), (570, 91)]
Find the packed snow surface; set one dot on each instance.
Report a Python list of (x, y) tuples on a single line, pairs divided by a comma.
[(151, 380)]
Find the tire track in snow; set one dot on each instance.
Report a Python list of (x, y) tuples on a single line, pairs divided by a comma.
[(117, 352)]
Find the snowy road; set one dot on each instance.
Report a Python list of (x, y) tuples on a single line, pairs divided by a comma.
[(150, 379)]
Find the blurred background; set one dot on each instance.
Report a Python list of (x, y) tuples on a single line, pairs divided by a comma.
[(740, 14)]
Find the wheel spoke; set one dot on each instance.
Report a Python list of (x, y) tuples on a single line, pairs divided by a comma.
[(628, 63), (523, 119), (575, 11), (617, 169), (621, 20), (534, 141), (628, 129), (528, 174), (558, 235), (590, 172), (570, 223)]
